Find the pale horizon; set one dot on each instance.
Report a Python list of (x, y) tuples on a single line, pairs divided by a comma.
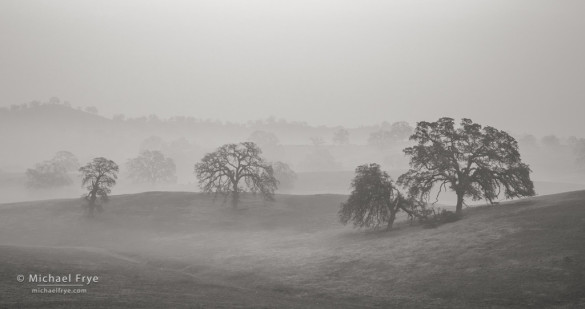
[(517, 66)]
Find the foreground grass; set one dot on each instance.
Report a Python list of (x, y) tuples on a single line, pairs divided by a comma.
[(179, 249)]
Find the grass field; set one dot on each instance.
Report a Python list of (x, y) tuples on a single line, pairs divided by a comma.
[(161, 249)]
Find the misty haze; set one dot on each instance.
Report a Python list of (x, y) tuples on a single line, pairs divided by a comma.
[(292, 154)]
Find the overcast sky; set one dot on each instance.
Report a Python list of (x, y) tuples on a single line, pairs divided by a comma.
[(517, 65)]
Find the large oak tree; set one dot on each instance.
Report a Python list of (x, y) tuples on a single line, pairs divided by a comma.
[(236, 168), (474, 161)]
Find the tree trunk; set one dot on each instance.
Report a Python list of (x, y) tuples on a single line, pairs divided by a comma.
[(91, 206), (235, 199), (459, 208), (391, 219)]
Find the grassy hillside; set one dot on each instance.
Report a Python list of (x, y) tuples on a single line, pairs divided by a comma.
[(162, 249)]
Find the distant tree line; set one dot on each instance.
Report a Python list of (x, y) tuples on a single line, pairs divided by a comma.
[(473, 161), (230, 170), (390, 135), (52, 102)]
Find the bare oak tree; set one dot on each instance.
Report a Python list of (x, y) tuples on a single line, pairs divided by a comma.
[(98, 176), (474, 161), (235, 168)]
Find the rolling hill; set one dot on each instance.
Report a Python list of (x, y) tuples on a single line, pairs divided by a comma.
[(162, 249)]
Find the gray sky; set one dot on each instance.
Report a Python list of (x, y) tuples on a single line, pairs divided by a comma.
[(517, 65)]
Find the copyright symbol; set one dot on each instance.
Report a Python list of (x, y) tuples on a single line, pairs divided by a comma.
[(20, 278)]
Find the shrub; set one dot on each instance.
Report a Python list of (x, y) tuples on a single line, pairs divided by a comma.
[(437, 218)]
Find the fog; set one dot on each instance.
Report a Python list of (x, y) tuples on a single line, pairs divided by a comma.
[(113, 78), (321, 87), (33, 133), (515, 65)]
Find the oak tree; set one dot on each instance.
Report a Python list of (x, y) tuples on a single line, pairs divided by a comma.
[(389, 135), (375, 199), (98, 177), (52, 173), (341, 136), (47, 174), (474, 161), (152, 167), (236, 168), (285, 175), (67, 160)]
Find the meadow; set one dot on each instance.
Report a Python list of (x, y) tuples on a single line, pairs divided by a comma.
[(182, 249)]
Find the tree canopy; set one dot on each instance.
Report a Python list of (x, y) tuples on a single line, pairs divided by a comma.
[(98, 177), (47, 174), (52, 173), (235, 168), (474, 161), (284, 174), (341, 136), (152, 167), (67, 160), (375, 199), (389, 135)]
